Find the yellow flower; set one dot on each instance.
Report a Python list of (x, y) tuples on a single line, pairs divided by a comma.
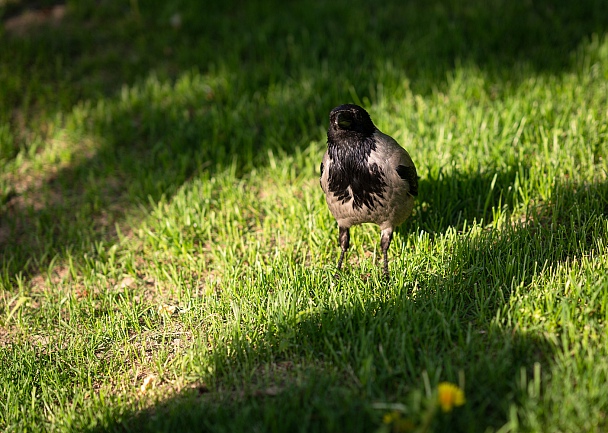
[(450, 395), (397, 423), (391, 417)]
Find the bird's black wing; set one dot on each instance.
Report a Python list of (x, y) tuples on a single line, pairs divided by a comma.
[(409, 174), (321, 176)]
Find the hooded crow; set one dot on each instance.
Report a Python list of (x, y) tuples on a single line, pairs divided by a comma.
[(367, 177)]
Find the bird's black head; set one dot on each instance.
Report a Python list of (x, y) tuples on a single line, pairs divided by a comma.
[(349, 121)]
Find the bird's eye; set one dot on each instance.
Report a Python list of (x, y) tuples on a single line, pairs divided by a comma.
[(344, 120)]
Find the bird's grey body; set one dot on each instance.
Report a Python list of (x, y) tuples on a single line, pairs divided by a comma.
[(367, 177), (396, 203)]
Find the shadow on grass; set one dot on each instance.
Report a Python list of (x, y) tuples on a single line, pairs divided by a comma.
[(322, 370), (264, 75), (457, 199)]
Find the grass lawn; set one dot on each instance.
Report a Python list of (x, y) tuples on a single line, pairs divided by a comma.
[(167, 256)]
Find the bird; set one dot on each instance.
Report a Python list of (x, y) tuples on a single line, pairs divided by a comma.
[(367, 177)]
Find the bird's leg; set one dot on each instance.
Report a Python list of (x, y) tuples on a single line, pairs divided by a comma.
[(385, 243), (344, 243)]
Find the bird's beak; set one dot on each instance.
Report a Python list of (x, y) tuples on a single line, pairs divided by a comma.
[(343, 121)]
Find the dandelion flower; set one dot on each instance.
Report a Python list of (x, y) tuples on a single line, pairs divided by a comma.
[(391, 417), (397, 423), (450, 396)]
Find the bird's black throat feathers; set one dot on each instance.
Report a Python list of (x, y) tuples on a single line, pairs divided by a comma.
[(350, 168)]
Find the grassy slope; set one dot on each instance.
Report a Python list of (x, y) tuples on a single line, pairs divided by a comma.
[(160, 216)]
